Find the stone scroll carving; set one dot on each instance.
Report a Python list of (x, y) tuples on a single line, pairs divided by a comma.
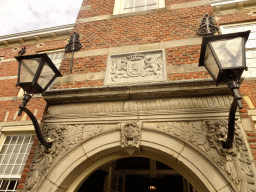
[(130, 136), (136, 67), (64, 137), (208, 135)]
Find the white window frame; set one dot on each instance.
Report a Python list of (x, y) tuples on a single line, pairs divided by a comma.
[(14, 128), (119, 5), (1, 59), (21, 92), (246, 74)]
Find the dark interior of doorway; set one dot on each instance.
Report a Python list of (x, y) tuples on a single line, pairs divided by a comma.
[(95, 182), (135, 183), (139, 183), (147, 173)]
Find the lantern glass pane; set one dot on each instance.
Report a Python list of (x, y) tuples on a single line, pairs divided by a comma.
[(210, 63), (28, 69), (229, 52), (46, 75)]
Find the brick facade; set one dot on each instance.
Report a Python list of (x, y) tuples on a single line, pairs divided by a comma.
[(149, 27)]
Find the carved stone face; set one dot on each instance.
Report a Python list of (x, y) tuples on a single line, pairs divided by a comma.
[(221, 131), (130, 132)]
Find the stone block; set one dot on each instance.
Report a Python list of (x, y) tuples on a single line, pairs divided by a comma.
[(46, 186), (151, 46), (206, 173), (70, 159), (225, 189), (124, 49), (97, 144), (247, 124)]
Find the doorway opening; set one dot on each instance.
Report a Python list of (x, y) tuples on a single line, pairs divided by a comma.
[(136, 174)]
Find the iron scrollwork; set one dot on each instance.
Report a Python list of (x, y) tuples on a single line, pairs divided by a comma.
[(72, 46), (22, 51), (207, 26)]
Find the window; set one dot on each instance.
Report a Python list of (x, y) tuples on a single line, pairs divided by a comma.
[(221, 2), (13, 156), (56, 57), (250, 45), (128, 6)]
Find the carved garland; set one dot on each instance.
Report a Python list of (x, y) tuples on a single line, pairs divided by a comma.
[(208, 135), (64, 137)]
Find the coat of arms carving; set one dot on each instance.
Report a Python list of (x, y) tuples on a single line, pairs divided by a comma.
[(136, 67)]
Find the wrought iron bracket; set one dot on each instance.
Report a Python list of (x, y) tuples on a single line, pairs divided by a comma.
[(22, 51), (72, 46), (39, 133), (207, 26), (237, 102)]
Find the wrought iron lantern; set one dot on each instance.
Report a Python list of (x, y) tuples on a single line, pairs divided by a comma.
[(224, 58), (35, 75)]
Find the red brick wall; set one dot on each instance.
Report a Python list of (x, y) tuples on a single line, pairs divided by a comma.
[(106, 7), (98, 7), (146, 28), (248, 88), (89, 64), (243, 16)]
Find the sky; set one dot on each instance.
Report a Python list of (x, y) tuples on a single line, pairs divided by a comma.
[(18, 16)]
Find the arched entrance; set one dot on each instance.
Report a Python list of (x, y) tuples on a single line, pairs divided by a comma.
[(136, 174), (70, 172)]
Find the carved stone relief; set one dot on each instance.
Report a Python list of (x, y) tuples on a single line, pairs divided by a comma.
[(136, 67), (130, 136), (142, 105), (208, 135), (64, 137)]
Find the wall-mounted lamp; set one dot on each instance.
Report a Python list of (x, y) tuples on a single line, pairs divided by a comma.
[(224, 58), (35, 75)]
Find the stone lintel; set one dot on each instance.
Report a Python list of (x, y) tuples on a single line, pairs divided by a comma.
[(173, 89)]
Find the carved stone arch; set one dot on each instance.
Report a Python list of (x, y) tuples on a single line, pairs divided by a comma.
[(71, 170)]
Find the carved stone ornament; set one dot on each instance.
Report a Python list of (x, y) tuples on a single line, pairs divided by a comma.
[(130, 136), (64, 137), (208, 135), (136, 67)]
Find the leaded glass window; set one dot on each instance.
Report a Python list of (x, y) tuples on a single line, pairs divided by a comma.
[(139, 5), (250, 45), (13, 156)]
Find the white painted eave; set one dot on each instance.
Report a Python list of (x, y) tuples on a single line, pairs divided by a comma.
[(37, 34), (231, 4)]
